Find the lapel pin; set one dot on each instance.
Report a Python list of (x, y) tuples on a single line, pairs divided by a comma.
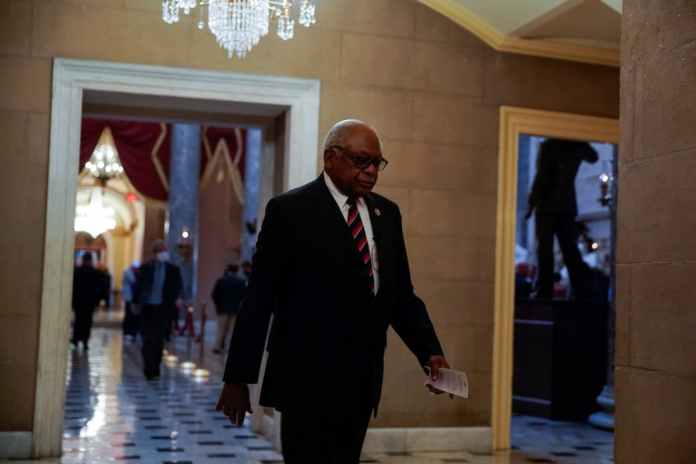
[(378, 212)]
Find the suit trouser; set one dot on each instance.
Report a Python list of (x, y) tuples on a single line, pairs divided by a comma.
[(225, 321), (563, 227), (155, 323), (82, 326), (131, 321), (323, 435)]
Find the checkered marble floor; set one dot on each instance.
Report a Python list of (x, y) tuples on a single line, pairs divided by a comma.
[(112, 415)]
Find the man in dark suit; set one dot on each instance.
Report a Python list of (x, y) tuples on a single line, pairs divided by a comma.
[(331, 267), (158, 286), (554, 202), (88, 289), (227, 296)]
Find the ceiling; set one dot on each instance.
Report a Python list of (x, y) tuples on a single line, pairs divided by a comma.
[(577, 30)]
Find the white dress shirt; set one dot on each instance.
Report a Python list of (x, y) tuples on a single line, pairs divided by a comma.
[(343, 206)]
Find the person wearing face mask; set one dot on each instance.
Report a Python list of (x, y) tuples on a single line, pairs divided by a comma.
[(157, 287)]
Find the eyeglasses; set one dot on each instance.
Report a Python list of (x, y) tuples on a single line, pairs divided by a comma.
[(360, 161)]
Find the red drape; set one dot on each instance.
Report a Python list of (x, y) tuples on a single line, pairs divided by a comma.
[(91, 130), (233, 137), (144, 150)]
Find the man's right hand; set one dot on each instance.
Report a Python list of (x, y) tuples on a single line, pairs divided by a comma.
[(234, 402)]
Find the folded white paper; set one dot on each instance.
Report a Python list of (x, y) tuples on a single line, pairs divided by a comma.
[(451, 381)]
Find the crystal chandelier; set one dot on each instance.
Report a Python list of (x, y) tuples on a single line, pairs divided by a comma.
[(95, 218), (104, 163), (239, 25)]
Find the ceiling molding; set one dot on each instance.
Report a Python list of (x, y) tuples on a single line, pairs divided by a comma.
[(549, 15), (534, 47), (616, 5)]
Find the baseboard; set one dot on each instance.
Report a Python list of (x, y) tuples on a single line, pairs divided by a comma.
[(406, 440), (15, 445)]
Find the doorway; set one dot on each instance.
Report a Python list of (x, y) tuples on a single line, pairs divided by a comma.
[(514, 124), (74, 81)]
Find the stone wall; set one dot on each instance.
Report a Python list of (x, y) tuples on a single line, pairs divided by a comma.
[(656, 321), (432, 90)]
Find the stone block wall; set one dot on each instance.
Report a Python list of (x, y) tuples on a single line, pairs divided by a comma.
[(431, 89)]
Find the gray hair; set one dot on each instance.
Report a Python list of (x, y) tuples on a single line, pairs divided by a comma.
[(338, 134)]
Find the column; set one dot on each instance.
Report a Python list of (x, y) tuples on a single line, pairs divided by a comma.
[(655, 374), (184, 172), (252, 190)]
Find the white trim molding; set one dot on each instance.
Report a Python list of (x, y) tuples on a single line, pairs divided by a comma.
[(546, 48), (15, 445), (423, 439), (513, 123), (71, 78)]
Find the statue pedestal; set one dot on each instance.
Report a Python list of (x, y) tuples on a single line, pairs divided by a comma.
[(604, 419), (559, 358)]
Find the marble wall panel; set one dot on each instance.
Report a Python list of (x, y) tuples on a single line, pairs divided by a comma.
[(435, 101)]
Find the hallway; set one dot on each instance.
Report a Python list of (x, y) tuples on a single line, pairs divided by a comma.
[(113, 415)]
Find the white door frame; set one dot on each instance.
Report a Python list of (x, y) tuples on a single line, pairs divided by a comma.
[(70, 79)]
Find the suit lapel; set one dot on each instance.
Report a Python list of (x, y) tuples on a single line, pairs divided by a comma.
[(379, 232), (376, 222)]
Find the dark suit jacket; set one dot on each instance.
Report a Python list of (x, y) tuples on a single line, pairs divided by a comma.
[(329, 332), (170, 290), (88, 288), (553, 190), (228, 293)]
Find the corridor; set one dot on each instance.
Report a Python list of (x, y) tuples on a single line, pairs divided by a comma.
[(113, 415)]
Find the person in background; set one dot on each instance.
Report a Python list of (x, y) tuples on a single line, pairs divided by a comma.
[(131, 320), (523, 284), (227, 296), (246, 269), (87, 291), (158, 286), (105, 287)]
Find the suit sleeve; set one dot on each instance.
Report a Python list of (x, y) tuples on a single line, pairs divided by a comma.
[(138, 284), (216, 294), (249, 337), (410, 318)]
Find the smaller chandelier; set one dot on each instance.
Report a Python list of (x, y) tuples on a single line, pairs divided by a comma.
[(104, 163), (95, 218), (239, 25)]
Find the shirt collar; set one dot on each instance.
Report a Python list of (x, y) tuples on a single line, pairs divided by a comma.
[(340, 197)]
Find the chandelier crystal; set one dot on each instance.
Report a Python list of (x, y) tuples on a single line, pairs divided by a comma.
[(95, 218), (239, 25), (104, 163)]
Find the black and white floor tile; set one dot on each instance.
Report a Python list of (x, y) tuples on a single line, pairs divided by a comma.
[(113, 415)]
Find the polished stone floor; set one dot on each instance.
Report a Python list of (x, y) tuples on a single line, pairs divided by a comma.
[(113, 415)]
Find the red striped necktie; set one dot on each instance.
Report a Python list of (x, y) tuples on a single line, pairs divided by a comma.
[(360, 238)]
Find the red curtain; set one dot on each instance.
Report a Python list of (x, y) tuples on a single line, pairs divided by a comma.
[(144, 149), (233, 137), (91, 131)]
